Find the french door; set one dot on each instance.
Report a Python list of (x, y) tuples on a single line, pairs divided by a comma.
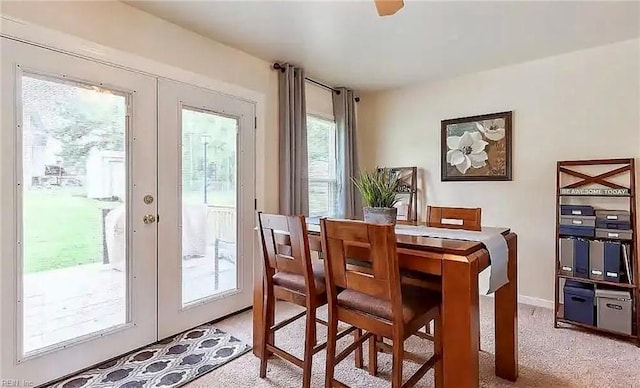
[(207, 205), (77, 271), (126, 210)]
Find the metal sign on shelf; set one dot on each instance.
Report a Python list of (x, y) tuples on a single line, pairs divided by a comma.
[(595, 191)]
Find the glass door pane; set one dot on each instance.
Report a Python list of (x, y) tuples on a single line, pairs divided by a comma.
[(74, 255), (209, 228)]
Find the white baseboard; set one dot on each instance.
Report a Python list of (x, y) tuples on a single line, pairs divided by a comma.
[(531, 301), (535, 302)]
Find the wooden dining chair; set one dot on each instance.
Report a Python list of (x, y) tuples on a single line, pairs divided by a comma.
[(291, 275), (450, 218), (454, 218), (375, 302)]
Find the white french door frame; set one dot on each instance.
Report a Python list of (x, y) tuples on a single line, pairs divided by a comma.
[(54, 40), (173, 97), (140, 329)]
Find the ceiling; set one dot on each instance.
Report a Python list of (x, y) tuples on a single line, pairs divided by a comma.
[(345, 43)]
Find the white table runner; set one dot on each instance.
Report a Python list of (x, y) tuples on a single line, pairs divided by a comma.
[(492, 238)]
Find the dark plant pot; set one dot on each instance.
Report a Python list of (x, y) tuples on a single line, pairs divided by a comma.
[(380, 215)]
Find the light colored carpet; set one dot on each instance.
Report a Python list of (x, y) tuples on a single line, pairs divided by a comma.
[(549, 357)]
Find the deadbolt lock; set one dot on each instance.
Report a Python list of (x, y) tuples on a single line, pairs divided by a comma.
[(149, 219), (148, 199)]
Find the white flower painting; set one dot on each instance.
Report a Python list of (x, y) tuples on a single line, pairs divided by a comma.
[(467, 151), (477, 148), (492, 129)]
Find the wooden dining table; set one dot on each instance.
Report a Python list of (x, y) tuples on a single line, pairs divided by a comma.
[(457, 263)]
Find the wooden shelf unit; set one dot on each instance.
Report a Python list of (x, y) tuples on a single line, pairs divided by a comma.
[(624, 166), (600, 282)]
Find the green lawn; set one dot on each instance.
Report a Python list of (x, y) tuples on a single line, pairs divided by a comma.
[(61, 229)]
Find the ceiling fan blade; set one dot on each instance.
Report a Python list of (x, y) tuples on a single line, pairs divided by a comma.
[(388, 7)]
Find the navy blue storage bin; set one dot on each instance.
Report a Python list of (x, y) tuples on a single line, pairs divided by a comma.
[(612, 261), (579, 302), (581, 258), (579, 231), (610, 224), (577, 210)]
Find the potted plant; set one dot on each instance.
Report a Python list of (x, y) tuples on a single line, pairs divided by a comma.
[(378, 189)]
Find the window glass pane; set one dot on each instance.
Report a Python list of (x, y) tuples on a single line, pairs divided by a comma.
[(321, 140), (73, 211), (209, 177)]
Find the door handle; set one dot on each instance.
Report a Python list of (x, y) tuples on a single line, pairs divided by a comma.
[(149, 219)]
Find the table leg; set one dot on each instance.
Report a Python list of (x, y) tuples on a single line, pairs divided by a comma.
[(258, 309), (460, 320), (506, 318)]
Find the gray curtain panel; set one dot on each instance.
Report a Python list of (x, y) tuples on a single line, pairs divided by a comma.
[(344, 110), (294, 181)]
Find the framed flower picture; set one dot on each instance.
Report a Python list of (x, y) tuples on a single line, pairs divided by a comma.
[(477, 148)]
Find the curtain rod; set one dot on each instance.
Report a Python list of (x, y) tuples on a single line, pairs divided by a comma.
[(277, 66)]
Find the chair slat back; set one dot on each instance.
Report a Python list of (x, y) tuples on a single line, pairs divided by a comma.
[(285, 244), (384, 280), (454, 218)]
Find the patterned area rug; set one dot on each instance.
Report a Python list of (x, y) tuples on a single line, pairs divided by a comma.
[(172, 362)]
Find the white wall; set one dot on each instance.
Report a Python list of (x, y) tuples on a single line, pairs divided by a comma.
[(580, 105), (122, 27)]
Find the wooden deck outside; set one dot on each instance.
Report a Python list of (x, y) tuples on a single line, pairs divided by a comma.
[(66, 303)]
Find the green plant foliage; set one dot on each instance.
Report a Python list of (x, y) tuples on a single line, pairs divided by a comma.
[(377, 187)]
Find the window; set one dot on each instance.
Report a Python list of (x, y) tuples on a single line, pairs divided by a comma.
[(323, 183)]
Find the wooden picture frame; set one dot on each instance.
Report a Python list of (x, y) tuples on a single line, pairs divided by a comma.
[(477, 148), (407, 191)]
